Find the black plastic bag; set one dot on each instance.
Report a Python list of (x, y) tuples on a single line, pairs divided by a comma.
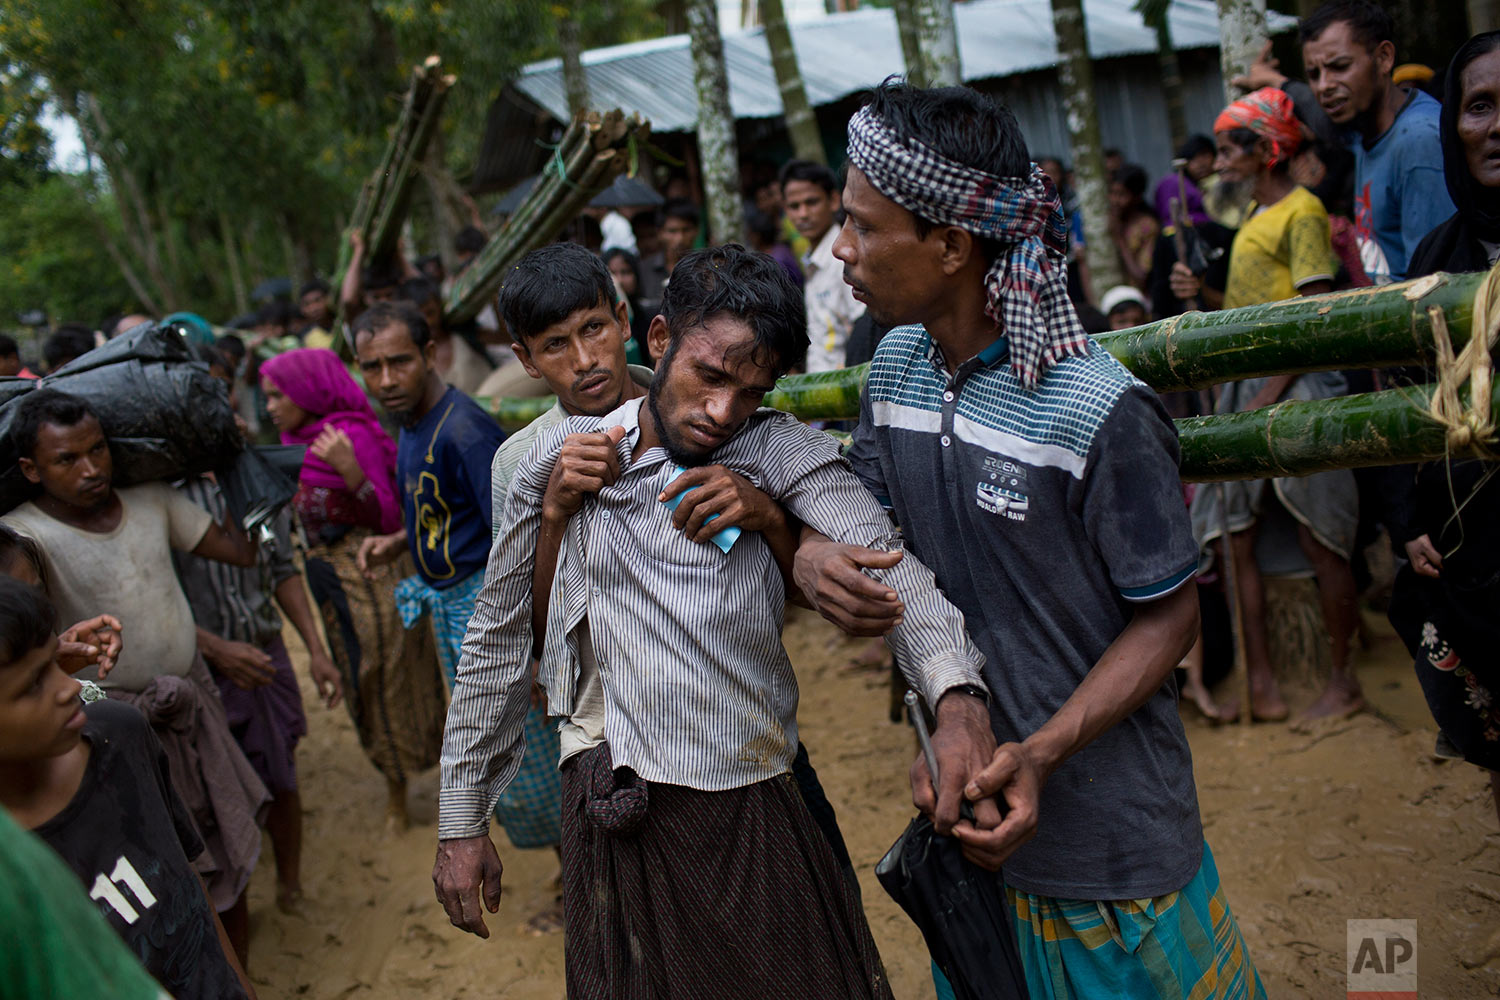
[(165, 416), (960, 909), (260, 482)]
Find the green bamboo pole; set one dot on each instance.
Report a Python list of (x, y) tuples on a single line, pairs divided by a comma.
[(468, 296), (1300, 437), (1358, 328), (391, 211), (588, 169)]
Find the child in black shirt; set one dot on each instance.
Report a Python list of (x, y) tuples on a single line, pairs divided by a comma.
[(92, 782)]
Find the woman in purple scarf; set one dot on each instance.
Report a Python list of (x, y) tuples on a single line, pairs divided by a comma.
[(347, 491)]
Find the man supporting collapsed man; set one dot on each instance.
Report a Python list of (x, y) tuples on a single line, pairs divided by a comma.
[(1039, 480), (691, 865)]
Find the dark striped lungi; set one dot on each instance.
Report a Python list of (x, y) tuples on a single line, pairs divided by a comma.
[(716, 895)]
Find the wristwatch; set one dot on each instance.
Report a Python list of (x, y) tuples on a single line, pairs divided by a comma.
[(974, 690)]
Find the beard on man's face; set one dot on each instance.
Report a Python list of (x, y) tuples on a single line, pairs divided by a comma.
[(676, 447)]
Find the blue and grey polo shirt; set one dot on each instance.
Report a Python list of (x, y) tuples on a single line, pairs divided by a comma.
[(1046, 514)]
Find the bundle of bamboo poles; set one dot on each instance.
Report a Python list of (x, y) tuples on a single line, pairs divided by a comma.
[(594, 150), (1359, 328), (386, 197)]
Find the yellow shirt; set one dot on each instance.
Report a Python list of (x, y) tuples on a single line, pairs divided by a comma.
[(1278, 250), (317, 337)]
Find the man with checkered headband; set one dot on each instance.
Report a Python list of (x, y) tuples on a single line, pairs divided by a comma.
[(1038, 479)]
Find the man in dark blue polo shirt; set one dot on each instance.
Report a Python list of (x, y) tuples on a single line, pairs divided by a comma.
[(1038, 479), (443, 465)]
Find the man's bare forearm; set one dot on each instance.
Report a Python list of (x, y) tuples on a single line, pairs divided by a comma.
[(1132, 669)]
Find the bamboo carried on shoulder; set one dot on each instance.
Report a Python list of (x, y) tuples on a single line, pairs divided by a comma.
[(594, 150)]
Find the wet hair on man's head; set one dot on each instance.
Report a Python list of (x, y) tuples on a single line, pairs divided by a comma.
[(550, 284), (813, 173), (28, 621), (41, 407), (17, 549), (1369, 24), (385, 314), (730, 280)]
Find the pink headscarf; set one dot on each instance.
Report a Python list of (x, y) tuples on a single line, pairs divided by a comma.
[(316, 380)]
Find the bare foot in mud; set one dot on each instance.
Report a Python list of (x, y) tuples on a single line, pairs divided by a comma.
[(1339, 700), (1266, 704), (1197, 695), (289, 898)]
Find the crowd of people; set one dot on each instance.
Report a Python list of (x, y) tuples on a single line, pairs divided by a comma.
[(581, 621)]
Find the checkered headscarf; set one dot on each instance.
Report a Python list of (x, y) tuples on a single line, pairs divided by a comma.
[(1028, 283)]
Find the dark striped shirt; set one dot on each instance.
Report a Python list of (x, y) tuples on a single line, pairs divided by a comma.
[(699, 688)]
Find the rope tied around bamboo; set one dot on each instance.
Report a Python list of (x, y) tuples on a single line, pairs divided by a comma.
[(1472, 429)]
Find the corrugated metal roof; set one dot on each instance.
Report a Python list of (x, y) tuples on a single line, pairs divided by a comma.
[(845, 53)]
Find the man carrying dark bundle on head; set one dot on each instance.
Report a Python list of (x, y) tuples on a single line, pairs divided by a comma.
[(109, 550), (691, 865), (92, 782)]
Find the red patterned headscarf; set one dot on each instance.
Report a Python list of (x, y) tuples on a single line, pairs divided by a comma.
[(1267, 112)]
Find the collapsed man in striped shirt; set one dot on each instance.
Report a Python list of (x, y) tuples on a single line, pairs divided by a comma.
[(691, 866)]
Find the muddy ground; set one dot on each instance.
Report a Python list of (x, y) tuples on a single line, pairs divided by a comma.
[(1309, 830)]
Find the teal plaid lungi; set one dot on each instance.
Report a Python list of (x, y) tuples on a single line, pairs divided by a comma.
[(530, 808), (1181, 946)]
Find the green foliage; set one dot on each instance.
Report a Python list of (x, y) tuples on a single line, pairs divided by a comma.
[(259, 117), (51, 257), (25, 146)]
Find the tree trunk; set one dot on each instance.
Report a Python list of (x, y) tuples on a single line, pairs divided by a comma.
[(174, 254), (1242, 36), (938, 40), (236, 269), (575, 81), (1075, 74), (1484, 15), (911, 45), (135, 216), (1171, 79), (716, 139), (801, 123)]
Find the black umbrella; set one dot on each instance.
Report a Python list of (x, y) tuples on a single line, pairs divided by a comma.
[(960, 909), (625, 191)]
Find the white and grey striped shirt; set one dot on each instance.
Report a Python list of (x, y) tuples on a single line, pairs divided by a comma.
[(699, 688)]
